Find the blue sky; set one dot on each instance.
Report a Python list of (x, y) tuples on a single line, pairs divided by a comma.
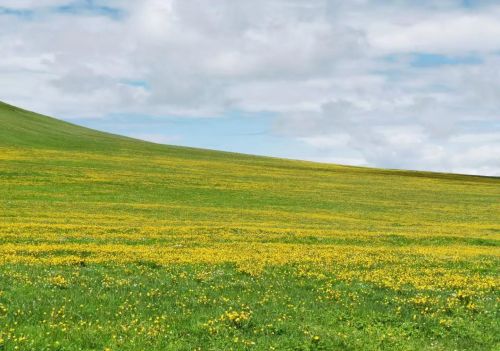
[(236, 133), (399, 84)]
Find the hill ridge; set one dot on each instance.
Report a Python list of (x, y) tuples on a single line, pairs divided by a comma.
[(27, 129)]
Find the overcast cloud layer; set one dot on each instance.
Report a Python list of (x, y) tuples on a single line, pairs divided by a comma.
[(400, 84)]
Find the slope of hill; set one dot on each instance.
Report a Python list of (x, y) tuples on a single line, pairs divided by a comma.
[(111, 242)]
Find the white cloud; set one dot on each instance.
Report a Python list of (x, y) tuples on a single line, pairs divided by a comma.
[(442, 33), (338, 75), (31, 4)]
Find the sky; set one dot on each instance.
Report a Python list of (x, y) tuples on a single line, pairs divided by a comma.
[(395, 84)]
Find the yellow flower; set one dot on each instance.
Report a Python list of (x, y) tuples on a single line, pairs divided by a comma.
[(59, 281)]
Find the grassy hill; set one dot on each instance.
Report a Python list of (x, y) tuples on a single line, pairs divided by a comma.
[(108, 242)]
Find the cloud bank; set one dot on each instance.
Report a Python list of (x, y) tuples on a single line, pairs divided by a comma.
[(398, 84)]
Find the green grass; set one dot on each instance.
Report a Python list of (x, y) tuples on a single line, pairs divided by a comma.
[(108, 242)]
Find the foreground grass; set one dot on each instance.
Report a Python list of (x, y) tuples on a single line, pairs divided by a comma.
[(111, 243), (143, 307)]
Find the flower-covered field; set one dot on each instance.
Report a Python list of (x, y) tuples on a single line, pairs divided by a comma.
[(107, 243)]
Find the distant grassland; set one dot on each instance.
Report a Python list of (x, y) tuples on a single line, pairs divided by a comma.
[(108, 243)]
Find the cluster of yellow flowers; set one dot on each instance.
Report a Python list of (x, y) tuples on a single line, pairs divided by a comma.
[(231, 319), (423, 267), (59, 281)]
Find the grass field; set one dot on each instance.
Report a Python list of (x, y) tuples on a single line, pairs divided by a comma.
[(109, 243)]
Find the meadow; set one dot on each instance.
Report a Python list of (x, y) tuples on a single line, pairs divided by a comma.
[(109, 243)]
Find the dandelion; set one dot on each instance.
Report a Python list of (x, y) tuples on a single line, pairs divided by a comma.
[(59, 281)]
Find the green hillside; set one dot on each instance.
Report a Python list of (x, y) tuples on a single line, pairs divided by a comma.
[(107, 242)]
